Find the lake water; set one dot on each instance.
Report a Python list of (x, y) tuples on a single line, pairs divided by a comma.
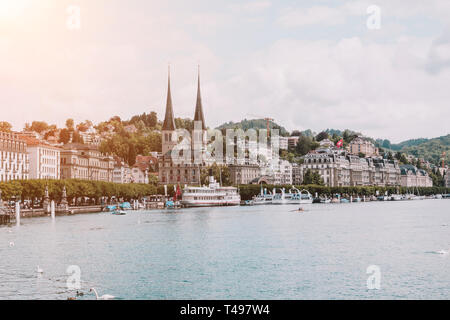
[(255, 252)]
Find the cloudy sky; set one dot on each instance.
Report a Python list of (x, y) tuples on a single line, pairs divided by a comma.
[(307, 64)]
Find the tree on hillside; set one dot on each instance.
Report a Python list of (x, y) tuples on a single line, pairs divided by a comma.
[(70, 124), (131, 155), (149, 120), (386, 144), (5, 126), (322, 136), (64, 136), (296, 133), (37, 126), (84, 126), (76, 138), (185, 123), (304, 145)]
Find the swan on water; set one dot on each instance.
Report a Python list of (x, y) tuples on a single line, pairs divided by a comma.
[(103, 297)]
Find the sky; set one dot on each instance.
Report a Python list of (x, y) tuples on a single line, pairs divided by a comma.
[(306, 64)]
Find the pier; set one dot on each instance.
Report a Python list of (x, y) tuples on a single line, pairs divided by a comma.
[(5, 219)]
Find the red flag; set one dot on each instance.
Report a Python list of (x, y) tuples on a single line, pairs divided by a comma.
[(340, 143), (178, 193)]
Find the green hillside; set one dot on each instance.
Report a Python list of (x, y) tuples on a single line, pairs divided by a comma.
[(430, 149), (253, 124)]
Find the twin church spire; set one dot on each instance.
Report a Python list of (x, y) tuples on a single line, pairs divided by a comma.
[(169, 119)]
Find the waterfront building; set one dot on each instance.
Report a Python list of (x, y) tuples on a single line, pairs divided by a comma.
[(139, 173), (411, 176), (14, 160), (121, 172), (184, 171), (44, 159), (81, 161), (338, 168), (332, 166), (297, 174), (244, 173), (282, 174), (362, 145), (359, 171), (387, 172)]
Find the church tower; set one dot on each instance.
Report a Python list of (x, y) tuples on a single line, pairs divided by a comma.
[(169, 140), (199, 133)]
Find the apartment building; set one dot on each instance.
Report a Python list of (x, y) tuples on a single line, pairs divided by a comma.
[(14, 160), (411, 176), (243, 173), (362, 145), (121, 172), (338, 168), (45, 162)]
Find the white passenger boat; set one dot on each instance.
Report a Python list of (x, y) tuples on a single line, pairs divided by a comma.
[(262, 198), (294, 196), (210, 196)]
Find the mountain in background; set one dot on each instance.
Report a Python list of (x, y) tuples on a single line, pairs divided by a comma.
[(429, 149)]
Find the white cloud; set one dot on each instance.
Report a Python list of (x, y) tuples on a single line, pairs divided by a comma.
[(383, 90), (116, 65), (251, 7), (326, 16)]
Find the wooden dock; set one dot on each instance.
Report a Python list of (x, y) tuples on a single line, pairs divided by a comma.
[(5, 219)]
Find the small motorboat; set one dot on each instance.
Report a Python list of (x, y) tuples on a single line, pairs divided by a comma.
[(119, 212)]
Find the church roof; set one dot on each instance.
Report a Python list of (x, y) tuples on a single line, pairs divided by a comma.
[(198, 116), (169, 120)]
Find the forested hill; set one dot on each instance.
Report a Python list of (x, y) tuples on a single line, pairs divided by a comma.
[(429, 149)]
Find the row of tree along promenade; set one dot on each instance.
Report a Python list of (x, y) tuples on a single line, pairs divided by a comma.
[(248, 191), (84, 192)]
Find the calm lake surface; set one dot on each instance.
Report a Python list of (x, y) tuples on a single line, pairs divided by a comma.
[(258, 252)]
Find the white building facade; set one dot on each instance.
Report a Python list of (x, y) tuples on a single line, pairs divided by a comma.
[(121, 173), (14, 161), (45, 159), (411, 176)]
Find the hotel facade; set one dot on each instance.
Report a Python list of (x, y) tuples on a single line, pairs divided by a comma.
[(45, 162), (14, 160), (86, 162), (338, 168)]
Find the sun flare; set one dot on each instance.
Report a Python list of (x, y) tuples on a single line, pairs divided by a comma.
[(12, 9)]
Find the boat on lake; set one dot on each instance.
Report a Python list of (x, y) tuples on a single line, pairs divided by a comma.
[(294, 196), (210, 196), (263, 197)]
